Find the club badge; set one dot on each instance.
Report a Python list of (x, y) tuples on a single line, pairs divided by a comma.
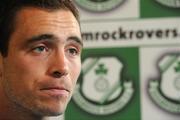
[(170, 3), (101, 90), (99, 5), (165, 91)]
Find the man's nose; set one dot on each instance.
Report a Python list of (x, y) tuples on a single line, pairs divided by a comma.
[(59, 64)]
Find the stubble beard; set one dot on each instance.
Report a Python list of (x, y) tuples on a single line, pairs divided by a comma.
[(25, 104)]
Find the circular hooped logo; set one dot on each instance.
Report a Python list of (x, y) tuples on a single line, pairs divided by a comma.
[(99, 5), (170, 3), (165, 91), (101, 90)]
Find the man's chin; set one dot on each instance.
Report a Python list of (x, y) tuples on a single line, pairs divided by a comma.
[(49, 111), (53, 112), (52, 108)]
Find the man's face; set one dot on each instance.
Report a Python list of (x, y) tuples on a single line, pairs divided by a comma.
[(43, 62)]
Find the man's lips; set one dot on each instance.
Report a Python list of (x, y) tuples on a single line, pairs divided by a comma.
[(55, 91)]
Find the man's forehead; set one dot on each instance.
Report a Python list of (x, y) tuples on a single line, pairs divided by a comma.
[(37, 13), (42, 18), (34, 22)]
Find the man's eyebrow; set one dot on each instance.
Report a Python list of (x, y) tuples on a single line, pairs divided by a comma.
[(51, 38), (76, 39), (42, 37)]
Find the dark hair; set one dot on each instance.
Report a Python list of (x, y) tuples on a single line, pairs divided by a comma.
[(9, 8)]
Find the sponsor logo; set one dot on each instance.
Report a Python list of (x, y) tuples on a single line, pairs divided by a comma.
[(166, 92), (99, 5), (101, 90), (170, 3)]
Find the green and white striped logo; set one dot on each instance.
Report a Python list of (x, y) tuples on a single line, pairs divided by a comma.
[(166, 92), (99, 5), (170, 3), (102, 90)]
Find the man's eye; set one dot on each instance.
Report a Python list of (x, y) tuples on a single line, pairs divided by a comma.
[(73, 51), (40, 49)]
